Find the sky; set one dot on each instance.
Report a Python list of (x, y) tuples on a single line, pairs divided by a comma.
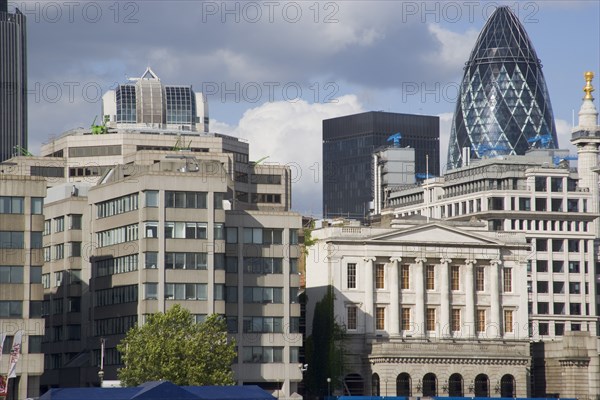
[(273, 70)]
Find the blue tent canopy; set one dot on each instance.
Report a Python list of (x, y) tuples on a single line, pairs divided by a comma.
[(161, 390)]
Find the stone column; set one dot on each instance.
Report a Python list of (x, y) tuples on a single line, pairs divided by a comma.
[(394, 325), (420, 296), (446, 327), (495, 308), (369, 301), (469, 320)]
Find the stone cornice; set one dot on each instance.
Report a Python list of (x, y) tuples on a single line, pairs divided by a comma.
[(574, 362), (449, 360)]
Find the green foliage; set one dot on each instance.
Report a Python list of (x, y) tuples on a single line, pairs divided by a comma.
[(308, 239), (324, 349), (171, 346)]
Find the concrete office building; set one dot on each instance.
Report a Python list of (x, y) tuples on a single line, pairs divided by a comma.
[(429, 308), (13, 81), (140, 218), (21, 293), (556, 208), (503, 105), (348, 145)]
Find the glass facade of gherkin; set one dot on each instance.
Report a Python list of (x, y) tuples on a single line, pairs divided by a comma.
[(503, 105)]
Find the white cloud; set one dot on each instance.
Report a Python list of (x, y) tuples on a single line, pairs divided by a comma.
[(563, 131), (455, 47), (291, 133)]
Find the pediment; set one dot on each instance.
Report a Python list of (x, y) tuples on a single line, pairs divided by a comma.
[(434, 233)]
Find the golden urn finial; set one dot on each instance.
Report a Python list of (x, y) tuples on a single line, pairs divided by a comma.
[(588, 89)]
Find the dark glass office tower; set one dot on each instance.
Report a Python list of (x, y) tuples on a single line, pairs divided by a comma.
[(348, 144), (13, 81), (503, 105)]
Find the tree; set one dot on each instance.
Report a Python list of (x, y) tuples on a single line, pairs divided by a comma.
[(324, 350), (171, 346)]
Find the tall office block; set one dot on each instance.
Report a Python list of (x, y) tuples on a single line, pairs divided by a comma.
[(503, 105), (348, 145), (13, 81)]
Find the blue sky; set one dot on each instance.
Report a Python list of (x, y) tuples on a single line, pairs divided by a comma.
[(340, 57)]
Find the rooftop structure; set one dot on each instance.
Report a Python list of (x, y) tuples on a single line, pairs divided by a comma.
[(503, 107)]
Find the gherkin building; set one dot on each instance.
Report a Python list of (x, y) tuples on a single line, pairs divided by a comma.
[(503, 105)]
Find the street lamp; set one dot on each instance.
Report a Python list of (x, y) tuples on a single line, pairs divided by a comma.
[(329, 387)]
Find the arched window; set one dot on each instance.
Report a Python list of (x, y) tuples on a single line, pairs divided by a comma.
[(507, 386), (482, 386), (403, 385), (375, 385), (429, 385), (455, 386), (355, 384)]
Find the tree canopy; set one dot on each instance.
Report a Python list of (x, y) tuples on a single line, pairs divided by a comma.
[(171, 346)]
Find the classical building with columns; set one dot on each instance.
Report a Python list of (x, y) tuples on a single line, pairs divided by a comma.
[(556, 207), (430, 307)]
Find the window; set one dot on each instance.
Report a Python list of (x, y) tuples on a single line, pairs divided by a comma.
[(456, 319), (574, 288), (508, 321), (46, 281), (380, 318), (11, 205), (47, 227), (75, 248), (480, 321), (231, 294), (405, 319), (11, 240), (35, 275), (430, 319), (231, 235), (430, 277), (118, 235), (219, 198), (11, 309), (543, 328), (219, 231), (573, 246), (524, 204), (405, 277), (185, 199), (559, 329), (559, 308), (59, 251), (75, 221), (74, 304), (293, 236), (542, 287), (265, 295), (541, 244), (35, 344), (119, 205), (556, 184), (557, 245), (263, 236), (261, 355), (151, 198), (37, 205), (507, 280), (151, 260), (151, 229), (379, 276), (117, 265), (232, 325), (557, 266), (540, 183), (455, 277), (263, 265), (294, 266), (558, 287), (190, 291), (186, 230), (263, 325), (574, 267), (231, 265), (479, 279), (351, 320), (541, 266), (150, 291), (542, 307), (10, 274)]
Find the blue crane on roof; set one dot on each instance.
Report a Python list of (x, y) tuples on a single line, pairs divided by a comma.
[(483, 150), (558, 159), (395, 138), (543, 140), (422, 175)]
